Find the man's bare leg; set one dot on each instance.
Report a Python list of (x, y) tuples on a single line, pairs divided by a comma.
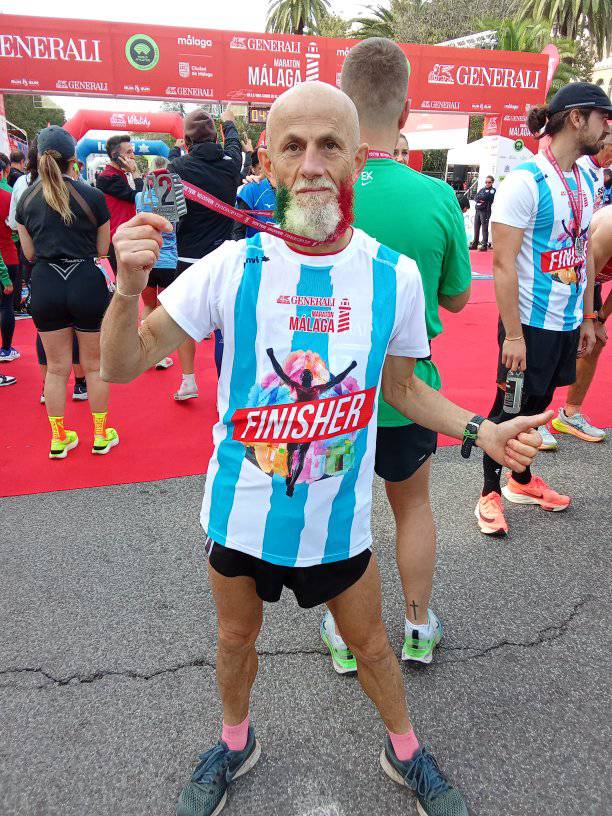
[(358, 615), (585, 371), (415, 540), (240, 614)]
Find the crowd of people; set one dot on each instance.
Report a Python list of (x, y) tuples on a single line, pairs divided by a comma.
[(323, 344)]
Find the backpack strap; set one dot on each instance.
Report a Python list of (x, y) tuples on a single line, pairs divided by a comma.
[(30, 192)]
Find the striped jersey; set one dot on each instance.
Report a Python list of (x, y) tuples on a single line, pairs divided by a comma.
[(596, 172), (305, 339), (551, 275)]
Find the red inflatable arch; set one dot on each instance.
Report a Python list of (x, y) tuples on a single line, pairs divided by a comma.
[(85, 120)]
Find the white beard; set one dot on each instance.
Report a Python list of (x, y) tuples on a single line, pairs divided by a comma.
[(307, 216)]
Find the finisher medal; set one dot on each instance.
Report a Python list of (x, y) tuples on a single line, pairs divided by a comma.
[(579, 247), (164, 192)]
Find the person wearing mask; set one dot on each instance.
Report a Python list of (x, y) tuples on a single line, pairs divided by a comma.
[(18, 161), (216, 169), (119, 181), (401, 151), (484, 202), (64, 225), (10, 257), (543, 285), (164, 271)]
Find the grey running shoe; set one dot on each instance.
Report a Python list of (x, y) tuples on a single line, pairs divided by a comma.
[(206, 793), (435, 796), (578, 425)]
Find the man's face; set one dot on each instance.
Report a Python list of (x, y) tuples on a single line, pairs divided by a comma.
[(604, 157), (20, 165), (592, 132), (126, 151), (488, 183), (313, 161), (401, 153)]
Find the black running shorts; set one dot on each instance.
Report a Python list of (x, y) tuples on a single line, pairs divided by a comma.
[(311, 585), (551, 359), (401, 451), (68, 294), (161, 278)]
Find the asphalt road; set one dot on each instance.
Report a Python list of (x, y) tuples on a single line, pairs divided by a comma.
[(107, 687)]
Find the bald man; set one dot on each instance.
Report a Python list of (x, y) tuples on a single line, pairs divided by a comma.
[(310, 333)]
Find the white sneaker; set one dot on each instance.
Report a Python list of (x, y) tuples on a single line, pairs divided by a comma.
[(9, 356), (578, 425), (343, 659), (167, 362), (186, 392), (549, 443), (420, 641)]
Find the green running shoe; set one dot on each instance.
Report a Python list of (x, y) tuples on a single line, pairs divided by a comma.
[(419, 644), (60, 447), (343, 659), (206, 793), (435, 795)]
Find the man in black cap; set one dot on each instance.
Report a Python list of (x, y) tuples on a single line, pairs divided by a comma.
[(484, 202), (216, 169), (541, 216)]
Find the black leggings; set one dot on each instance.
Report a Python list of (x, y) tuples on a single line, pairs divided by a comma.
[(7, 311), (530, 406)]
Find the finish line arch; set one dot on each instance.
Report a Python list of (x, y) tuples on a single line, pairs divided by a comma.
[(142, 147), (86, 120)]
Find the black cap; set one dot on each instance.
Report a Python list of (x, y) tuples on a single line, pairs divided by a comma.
[(56, 138), (580, 95)]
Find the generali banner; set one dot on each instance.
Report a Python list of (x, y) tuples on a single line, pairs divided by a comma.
[(44, 55)]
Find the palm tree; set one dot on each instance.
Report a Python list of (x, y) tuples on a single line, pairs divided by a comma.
[(382, 23), (296, 16), (532, 36), (571, 17)]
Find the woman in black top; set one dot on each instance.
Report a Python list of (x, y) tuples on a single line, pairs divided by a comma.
[(64, 225)]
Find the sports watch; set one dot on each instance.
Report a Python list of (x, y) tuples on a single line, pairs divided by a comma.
[(469, 435)]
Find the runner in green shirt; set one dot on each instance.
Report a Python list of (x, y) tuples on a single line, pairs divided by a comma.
[(418, 216)]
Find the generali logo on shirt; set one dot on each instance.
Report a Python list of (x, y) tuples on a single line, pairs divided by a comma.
[(326, 315)]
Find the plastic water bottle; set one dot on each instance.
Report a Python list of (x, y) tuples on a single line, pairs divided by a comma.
[(514, 392)]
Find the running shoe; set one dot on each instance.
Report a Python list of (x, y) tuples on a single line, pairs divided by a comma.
[(419, 642), (79, 393), (578, 425), (60, 447), (489, 514), (186, 392), (167, 362), (536, 492), (343, 659), (102, 445), (434, 793), (8, 355), (549, 443), (206, 793), (6, 380)]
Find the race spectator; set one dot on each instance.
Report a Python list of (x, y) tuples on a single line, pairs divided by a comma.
[(18, 161), (484, 202), (114, 182), (401, 153), (216, 169), (255, 195), (607, 193), (10, 257)]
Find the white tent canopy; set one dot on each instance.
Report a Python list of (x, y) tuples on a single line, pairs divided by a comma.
[(469, 154)]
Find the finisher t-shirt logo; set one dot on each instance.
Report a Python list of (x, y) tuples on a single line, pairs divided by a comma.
[(142, 52)]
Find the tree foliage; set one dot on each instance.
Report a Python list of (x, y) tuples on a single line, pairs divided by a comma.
[(296, 16), (574, 19), (20, 111)]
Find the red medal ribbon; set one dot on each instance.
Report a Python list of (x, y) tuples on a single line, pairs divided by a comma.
[(575, 199), (379, 154)]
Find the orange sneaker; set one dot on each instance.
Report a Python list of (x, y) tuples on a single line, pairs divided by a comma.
[(536, 492), (489, 514)]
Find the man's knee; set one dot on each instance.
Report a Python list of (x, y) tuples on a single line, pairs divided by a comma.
[(238, 637), (371, 647)]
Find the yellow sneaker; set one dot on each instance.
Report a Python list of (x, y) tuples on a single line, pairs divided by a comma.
[(60, 447), (102, 445)]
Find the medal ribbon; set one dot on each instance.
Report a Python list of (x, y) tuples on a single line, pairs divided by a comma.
[(575, 200), (379, 154)]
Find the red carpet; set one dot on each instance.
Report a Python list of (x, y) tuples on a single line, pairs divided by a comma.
[(161, 439)]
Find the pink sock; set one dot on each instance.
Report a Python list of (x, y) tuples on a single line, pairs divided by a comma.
[(235, 736), (404, 745)]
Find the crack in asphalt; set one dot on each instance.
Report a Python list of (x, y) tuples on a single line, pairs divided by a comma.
[(548, 633)]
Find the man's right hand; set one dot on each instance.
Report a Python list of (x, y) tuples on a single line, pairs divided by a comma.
[(228, 115), (8, 290), (514, 354), (137, 244)]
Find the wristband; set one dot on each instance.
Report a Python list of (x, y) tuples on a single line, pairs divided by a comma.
[(590, 316), (512, 339), (123, 294), (470, 434), (601, 319)]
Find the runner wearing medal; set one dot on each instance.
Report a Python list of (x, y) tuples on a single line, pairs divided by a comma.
[(540, 218)]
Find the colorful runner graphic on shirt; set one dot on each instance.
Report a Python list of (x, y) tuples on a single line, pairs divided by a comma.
[(312, 436)]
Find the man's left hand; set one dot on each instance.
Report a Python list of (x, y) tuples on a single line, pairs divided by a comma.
[(587, 338), (515, 443)]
